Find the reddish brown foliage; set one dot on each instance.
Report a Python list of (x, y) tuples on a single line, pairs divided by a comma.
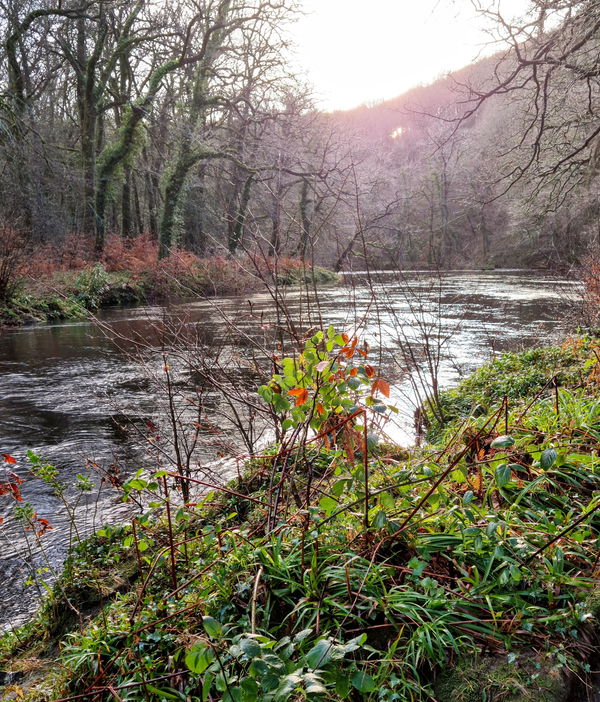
[(590, 275), (136, 255), (13, 254)]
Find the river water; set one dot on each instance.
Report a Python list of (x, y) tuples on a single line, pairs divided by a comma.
[(79, 400)]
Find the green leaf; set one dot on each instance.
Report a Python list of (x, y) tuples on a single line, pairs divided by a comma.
[(339, 486), (328, 505), (233, 694), (314, 687), (320, 654), (163, 694), (380, 519), (469, 496), (212, 627), (502, 442), (266, 393), (502, 475), (548, 458), (342, 685), (137, 484), (250, 689), (199, 657), (354, 644), (363, 682), (301, 635), (250, 648), (387, 501), (258, 668)]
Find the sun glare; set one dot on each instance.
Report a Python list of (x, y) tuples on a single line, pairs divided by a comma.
[(354, 54)]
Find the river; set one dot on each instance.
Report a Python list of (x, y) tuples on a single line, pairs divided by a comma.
[(73, 396)]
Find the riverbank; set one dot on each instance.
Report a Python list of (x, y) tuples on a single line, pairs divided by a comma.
[(76, 292), (464, 567)]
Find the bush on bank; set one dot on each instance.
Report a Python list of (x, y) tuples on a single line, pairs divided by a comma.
[(63, 282)]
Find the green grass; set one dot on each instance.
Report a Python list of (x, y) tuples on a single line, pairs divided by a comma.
[(476, 578)]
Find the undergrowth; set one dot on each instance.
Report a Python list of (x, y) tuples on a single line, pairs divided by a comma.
[(459, 571), (66, 281)]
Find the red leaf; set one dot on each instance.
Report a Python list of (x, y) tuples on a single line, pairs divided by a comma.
[(369, 371), (16, 492), (382, 386), (320, 409), (301, 395), (8, 458), (346, 338)]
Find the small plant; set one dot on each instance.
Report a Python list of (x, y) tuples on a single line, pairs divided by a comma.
[(91, 284), (324, 388)]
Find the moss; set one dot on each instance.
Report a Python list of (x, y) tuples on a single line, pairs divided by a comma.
[(491, 679), (514, 375), (313, 275)]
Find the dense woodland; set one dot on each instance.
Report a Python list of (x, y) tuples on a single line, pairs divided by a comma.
[(181, 121)]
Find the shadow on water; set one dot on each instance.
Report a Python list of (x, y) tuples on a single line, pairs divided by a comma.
[(69, 394)]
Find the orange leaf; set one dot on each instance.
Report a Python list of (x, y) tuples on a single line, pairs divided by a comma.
[(8, 459), (369, 371), (353, 372), (346, 338), (301, 395), (320, 409), (382, 386)]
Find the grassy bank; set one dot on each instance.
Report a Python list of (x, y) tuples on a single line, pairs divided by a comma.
[(75, 292), (459, 571)]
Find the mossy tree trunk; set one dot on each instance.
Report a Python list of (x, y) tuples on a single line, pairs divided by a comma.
[(188, 156)]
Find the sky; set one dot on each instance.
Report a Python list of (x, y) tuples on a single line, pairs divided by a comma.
[(363, 51)]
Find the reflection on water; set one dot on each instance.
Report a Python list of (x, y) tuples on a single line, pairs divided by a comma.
[(66, 389)]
